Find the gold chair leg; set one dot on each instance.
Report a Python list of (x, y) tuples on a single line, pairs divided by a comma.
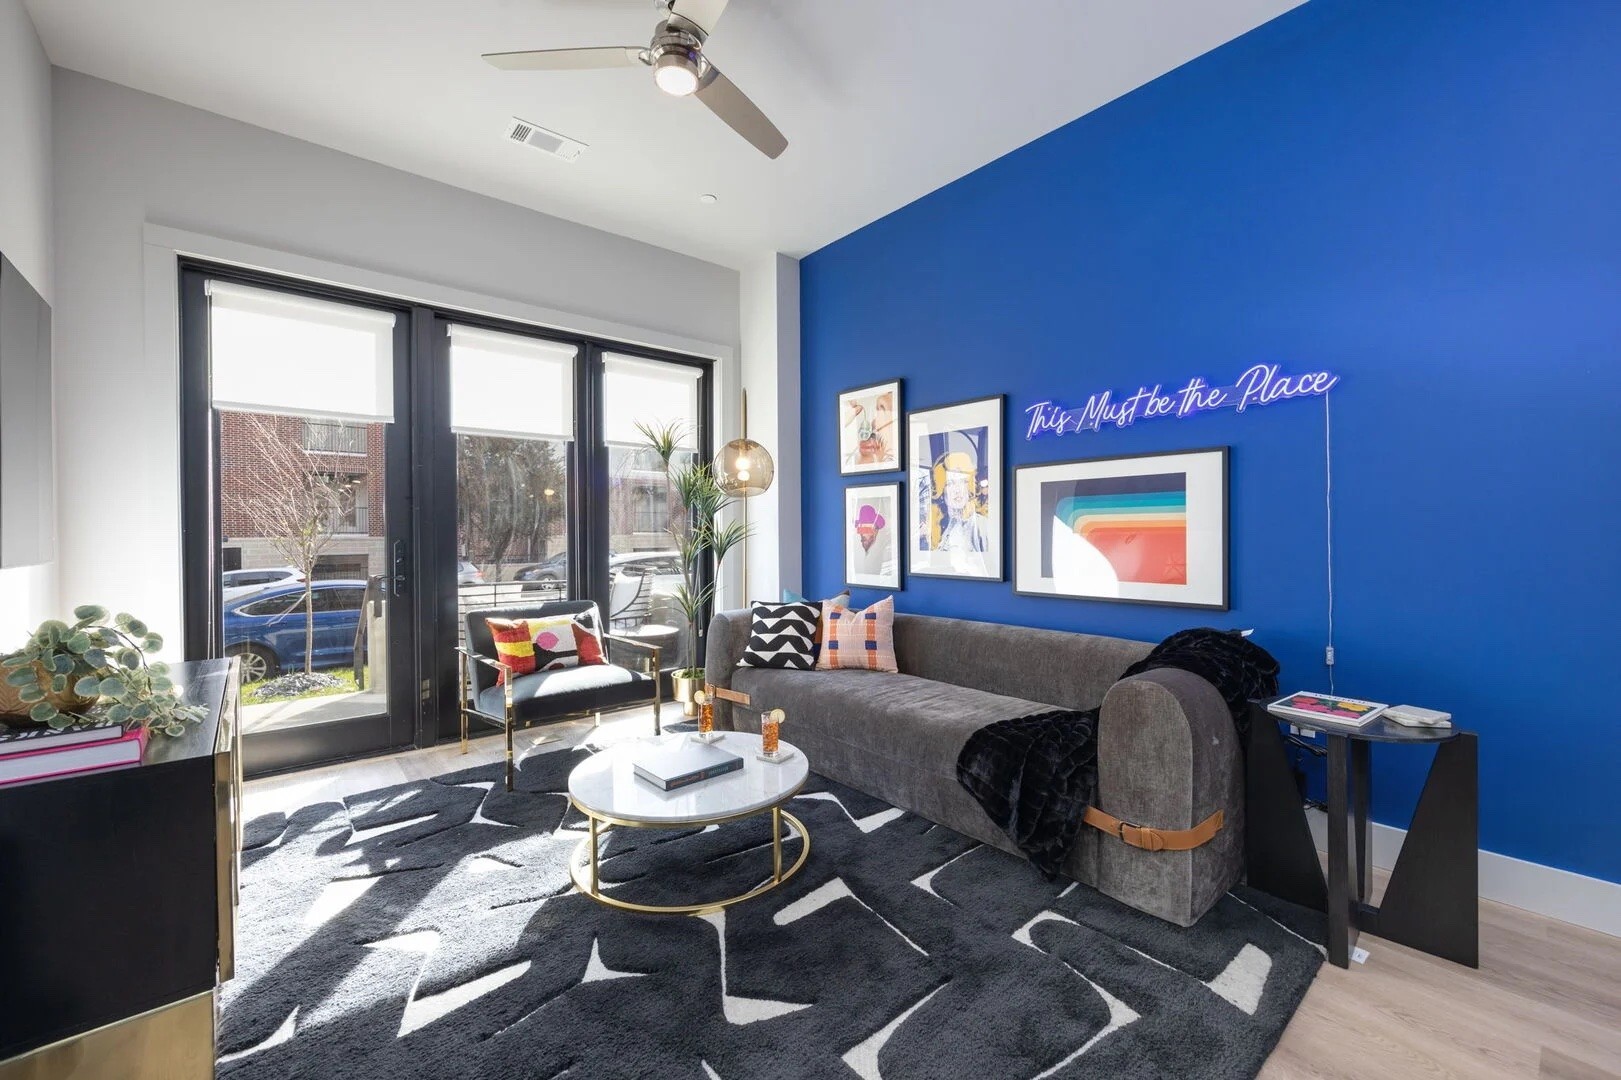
[(509, 753), (461, 700)]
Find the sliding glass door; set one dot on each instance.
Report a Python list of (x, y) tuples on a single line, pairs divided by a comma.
[(359, 473), (307, 402)]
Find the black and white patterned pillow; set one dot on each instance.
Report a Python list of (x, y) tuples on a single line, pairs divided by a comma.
[(782, 636)]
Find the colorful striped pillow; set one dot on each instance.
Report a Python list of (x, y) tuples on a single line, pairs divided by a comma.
[(859, 639), (553, 639), (514, 646)]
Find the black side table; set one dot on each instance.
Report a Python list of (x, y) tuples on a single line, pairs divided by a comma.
[(1432, 900)]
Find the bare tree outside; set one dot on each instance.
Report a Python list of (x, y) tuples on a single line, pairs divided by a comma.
[(291, 504), (510, 496)]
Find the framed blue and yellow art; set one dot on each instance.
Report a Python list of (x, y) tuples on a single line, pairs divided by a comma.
[(955, 479), (1142, 528)]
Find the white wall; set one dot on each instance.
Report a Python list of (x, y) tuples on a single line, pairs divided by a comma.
[(128, 161), (769, 320), (28, 594)]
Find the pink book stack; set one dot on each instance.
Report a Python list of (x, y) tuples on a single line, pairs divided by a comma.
[(42, 753)]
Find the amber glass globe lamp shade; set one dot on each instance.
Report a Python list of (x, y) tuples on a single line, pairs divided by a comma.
[(743, 468)]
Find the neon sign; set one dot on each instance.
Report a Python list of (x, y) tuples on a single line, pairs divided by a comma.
[(1260, 385)]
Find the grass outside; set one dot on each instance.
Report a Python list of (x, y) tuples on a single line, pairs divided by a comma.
[(264, 692)]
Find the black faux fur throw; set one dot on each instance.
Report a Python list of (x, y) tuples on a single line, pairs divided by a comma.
[(1036, 775)]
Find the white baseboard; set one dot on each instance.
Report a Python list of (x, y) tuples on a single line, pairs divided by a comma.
[(1558, 894)]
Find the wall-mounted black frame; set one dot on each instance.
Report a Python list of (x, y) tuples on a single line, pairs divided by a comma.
[(897, 491), (1226, 528), (423, 697), (997, 476), (900, 424)]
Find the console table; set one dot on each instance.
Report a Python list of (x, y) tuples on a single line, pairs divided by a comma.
[(118, 905), (1431, 902)]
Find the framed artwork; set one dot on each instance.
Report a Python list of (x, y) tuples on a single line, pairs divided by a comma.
[(869, 429), (1142, 528), (872, 536), (955, 496)]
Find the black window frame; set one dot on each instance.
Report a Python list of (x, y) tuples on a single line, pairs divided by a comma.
[(432, 555)]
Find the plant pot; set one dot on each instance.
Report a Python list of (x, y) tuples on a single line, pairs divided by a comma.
[(685, 690), (13, 707)]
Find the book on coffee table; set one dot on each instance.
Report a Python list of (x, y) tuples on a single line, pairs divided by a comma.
[(679, 764)]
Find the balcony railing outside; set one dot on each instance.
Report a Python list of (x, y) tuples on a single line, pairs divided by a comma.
[(334, 437), (353, 520)]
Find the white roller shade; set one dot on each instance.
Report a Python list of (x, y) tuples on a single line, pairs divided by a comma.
[(274, 352), (647, 392), (511, 386)]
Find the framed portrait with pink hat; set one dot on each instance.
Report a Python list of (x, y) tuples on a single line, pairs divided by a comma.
[(873, 516)]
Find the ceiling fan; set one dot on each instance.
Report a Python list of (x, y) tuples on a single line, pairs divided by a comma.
[(679, 65)]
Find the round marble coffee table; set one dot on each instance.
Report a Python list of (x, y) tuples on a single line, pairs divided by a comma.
[(608, 792)]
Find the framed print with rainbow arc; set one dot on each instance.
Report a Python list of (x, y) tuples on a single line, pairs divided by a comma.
[(1143, 528)]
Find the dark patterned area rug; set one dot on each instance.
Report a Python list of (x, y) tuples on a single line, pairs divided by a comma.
[(430, 930)]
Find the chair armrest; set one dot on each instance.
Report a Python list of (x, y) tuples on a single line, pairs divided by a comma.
[(728, 637), (1169, 756), (467, 654), (1167, 749), (656, 652)]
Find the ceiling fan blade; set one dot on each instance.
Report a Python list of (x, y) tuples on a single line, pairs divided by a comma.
[(702, 13), (566, 59), (729, 103)]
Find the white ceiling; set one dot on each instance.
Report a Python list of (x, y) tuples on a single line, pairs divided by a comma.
[(882, 101)]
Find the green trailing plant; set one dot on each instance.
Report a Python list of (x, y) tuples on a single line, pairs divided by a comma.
[(698, 532), (94, 669)]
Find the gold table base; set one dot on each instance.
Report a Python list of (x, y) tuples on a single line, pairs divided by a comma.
[(585, 863)]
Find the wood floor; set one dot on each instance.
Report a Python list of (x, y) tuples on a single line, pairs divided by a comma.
[(1546, 1001)]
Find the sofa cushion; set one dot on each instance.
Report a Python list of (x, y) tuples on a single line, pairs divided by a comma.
[(862, 639), (592, 685), (781, 636), (514, 646), (898, 717)]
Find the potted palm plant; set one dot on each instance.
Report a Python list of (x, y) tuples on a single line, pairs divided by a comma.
[(698, 534)]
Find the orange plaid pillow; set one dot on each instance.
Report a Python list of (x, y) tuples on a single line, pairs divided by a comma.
[(514, 646), (859, 639)]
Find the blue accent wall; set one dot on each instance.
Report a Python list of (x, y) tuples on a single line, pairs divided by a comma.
[(1424, 197)]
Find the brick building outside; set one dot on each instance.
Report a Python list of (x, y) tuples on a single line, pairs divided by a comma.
[(352, 455)]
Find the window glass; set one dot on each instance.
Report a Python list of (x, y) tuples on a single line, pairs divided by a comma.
[(275, 605), (338, 599)]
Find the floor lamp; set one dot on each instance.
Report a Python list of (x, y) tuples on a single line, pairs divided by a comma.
[(743, 469)]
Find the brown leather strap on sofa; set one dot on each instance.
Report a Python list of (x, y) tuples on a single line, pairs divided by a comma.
[(1151, 839)]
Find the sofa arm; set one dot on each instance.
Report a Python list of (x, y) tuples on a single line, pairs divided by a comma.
[(728, 637), (1169, 756)]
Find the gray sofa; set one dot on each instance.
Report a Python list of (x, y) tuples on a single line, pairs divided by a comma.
[(1168, 755)]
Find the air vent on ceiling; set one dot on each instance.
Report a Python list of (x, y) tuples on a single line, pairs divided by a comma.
[(559, 146)]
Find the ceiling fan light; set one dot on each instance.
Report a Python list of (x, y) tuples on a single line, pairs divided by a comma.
[(676, 73)]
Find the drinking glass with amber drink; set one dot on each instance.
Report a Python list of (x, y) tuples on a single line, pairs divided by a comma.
[(770, 729), (706, 711)]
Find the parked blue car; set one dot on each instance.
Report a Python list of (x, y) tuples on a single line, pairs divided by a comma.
[(266, 629)]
